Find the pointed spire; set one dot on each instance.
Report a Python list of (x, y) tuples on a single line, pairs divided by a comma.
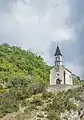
[(57, 51)]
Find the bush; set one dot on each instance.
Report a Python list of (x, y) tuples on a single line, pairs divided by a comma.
[(24, 103), (40, 115), (1, 87), (47, 95), (9, 106), (26, 110), (8, 103), (53, 115), (37, 101), (59, 104), (2, 114), (20, 93), (35, 89), (2, 91), (30, 108), (71, 106)]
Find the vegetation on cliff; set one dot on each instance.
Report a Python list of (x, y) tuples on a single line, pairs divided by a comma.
[(23, 77), (22, 74), (16, 63), (39, 106)]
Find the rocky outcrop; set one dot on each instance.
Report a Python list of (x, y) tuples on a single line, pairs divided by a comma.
[(72, 115)]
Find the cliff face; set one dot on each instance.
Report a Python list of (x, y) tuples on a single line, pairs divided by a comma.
[(51, 106)]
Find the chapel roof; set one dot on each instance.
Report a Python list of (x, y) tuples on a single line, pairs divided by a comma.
[(66, 69)]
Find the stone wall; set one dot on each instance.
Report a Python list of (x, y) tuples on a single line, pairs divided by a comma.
[(58, 88)]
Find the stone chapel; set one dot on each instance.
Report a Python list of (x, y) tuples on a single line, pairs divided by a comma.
[(59, 74)]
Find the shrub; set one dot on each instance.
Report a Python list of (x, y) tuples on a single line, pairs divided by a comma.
[(37, 101), (26, 110), (33, 107), (2, 114), (24, 103), (2, 91), (8, 103), (1, 87), (47, 95), (53, 115), (35, 89), (20, 93), (30, 108), (71, 106), (9, 106), (40, 115)]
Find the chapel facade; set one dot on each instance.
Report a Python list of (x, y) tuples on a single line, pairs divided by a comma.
[(59, 74)]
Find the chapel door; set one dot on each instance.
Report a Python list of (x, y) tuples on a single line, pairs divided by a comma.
[(58, 81)]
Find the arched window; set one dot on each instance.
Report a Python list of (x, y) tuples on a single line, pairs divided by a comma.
[(58, 58)]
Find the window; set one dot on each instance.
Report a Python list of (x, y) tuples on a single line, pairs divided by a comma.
[(58, 74), (57, 58)]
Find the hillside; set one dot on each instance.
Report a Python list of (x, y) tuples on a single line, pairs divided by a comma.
[(44, 106), (23, 78), (22, 74), (16, 63)]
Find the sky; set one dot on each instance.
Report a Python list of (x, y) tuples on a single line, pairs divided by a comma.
[(39, 25)]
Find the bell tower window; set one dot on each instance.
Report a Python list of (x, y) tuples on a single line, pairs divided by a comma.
[(58, 57)]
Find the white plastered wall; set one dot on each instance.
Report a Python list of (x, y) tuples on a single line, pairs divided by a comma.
[(61, 74), (53, 76), (68, 77)]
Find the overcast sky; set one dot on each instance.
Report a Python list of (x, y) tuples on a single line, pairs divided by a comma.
[(41, 24)]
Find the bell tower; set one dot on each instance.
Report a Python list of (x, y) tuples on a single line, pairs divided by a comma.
[(58, 57)]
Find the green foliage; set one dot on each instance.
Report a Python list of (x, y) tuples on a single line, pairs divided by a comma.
[(62, 102), (1, 87), (77, 81), (24, 103), (47, 95), (16, 63), (23, 74), (8, 103), (72, 106), (40, 115), (20, 93), (29, 108), (37, 101), (59, 104), (35, 88), (53, 115)]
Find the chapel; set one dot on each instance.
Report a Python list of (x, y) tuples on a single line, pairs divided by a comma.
[(59, 74)]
